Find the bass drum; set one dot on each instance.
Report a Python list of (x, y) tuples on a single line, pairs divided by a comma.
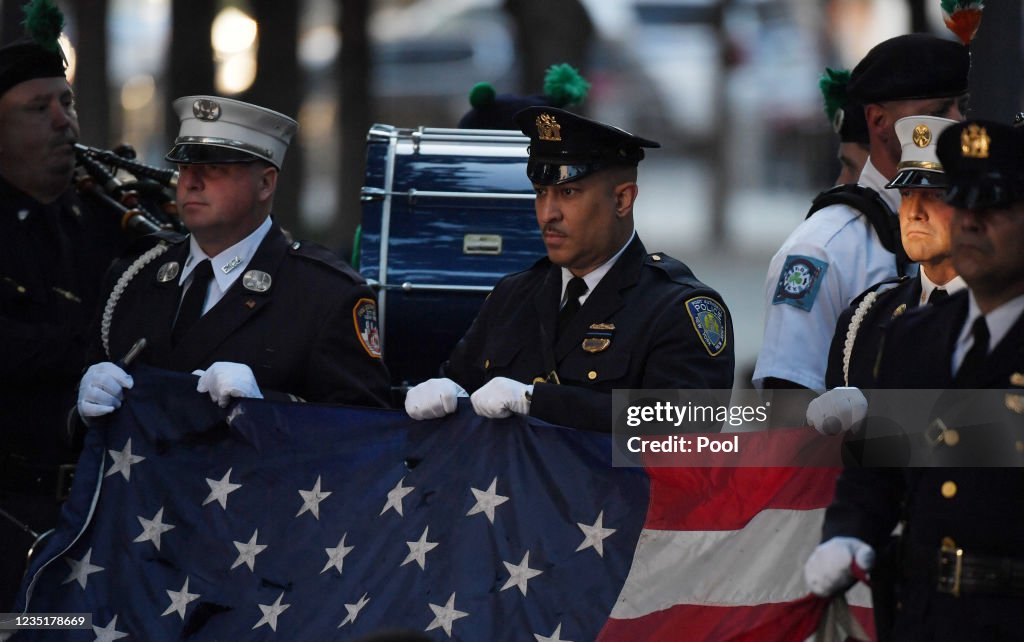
[(445, 214)]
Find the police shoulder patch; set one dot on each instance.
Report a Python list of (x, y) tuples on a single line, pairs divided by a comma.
[(364, 316), (799, 281), (708, 317)]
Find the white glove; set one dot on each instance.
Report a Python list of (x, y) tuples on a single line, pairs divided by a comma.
[(101, 390), (500, 397), (433, 398), (838, 410), (827, 570), (226, 379)]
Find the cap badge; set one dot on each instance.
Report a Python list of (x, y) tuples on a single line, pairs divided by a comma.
[(256, 281), (922, 136), (167, 272), (974, 142), (548, 128), (206, 109)]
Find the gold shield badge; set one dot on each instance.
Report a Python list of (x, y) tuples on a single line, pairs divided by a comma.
[(974, 142), (548, 128)]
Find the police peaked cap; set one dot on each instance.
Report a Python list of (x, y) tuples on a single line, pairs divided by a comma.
[(984, 164), (565, 147), (908, 67), (222, 130)]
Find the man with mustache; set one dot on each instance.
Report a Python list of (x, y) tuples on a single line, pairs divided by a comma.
[(54, 250), (960, 562), (251, 312), (599, 312)]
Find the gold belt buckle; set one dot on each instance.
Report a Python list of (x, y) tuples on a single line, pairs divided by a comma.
[(950, 554)]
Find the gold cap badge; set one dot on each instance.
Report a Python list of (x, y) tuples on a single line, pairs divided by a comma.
[(548, 128), (922, 136), (974, 142)]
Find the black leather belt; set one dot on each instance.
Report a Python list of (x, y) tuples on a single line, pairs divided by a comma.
[(19, 476), (958, 572)]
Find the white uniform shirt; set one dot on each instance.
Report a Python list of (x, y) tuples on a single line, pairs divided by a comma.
[(825, 263)]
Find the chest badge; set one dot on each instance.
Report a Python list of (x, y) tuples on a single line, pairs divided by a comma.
[(168, 272), (598, 337), (256, 281)]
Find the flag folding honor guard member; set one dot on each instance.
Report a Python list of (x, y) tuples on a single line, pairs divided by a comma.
[(311, 522)]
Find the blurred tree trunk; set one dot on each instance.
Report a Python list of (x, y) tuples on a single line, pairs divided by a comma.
[(996, 63), (354, 71), (190, 60), (279, 86), (92, 91), (548, 33)]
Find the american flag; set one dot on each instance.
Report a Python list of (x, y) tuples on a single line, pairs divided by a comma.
[(307, 522)]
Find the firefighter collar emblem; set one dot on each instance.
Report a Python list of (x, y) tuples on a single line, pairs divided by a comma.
[(256, 281), (168, 272), (598, 337)]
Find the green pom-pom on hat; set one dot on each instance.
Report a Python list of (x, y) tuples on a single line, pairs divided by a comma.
[(833, 85), (44, 22), (482, 94), (564, 85)]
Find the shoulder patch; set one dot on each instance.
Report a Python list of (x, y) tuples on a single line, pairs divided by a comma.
[(708, 317), (364, 317), (675, 269), (799, 281)]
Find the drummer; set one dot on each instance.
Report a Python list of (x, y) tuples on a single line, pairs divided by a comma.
[(599, 312)]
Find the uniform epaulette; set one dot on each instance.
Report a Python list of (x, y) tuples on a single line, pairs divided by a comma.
[(896, 280), (145, 243), (675, 269), (323, 256)]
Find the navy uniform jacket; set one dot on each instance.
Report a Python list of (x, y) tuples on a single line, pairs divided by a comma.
[(980, 509), (649, 323), (890, 303), (313, 334), (52, 261)]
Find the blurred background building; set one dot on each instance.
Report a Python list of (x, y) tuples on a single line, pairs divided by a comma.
[(729, 87)]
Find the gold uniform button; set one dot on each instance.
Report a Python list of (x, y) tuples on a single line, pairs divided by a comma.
[(592, 375), (948, 489), (951, 437), (1020, 446), (487, 363)]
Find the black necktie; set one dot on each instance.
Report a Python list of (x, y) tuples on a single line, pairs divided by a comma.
[(192, 303), (973, 367), (573, 291), (937, 295)]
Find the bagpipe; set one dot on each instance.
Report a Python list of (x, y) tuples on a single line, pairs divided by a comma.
[(142, 195)]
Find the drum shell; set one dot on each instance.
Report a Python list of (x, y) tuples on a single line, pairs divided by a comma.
[(446, 213)]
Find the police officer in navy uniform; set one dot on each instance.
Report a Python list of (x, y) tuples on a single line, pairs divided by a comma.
[(925, 234), (837, 253), (54, 249), (254, 314), (599, 312), (960, 572)]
